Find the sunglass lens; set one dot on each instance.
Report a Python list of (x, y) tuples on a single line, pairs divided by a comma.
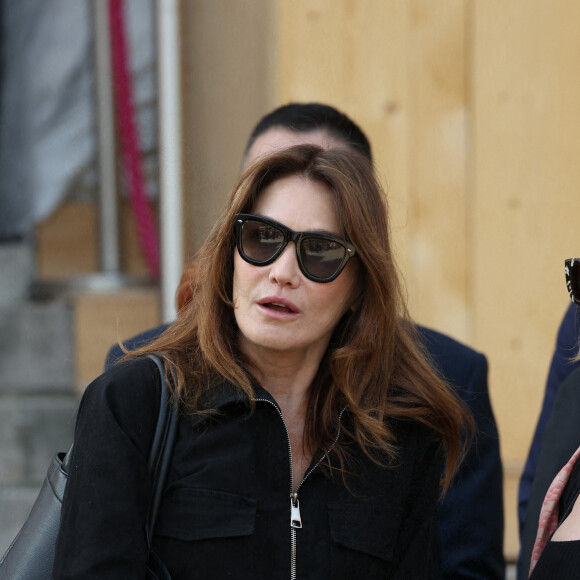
[(575, 281), (261, 241), (321, 257)]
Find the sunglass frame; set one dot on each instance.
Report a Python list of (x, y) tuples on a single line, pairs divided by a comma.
[(572, 269), (291, 236)]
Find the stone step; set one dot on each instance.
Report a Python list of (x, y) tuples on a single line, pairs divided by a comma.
[(36, 347), (16, 268), (32, 429)]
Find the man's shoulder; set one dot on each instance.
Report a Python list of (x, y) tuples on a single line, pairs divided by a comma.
[(141, 339), (145, 337), (442, 344), (456, 361)]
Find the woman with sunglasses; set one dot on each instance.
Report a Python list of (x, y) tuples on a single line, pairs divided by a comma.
[(313, 431)]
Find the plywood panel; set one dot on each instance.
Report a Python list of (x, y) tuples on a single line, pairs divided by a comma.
[(102, 320), (352, 55), (526, 171), (472, 110), (526, 175), (399, 70), (67, 242), (440, 245), (511, 482), (227, 52)]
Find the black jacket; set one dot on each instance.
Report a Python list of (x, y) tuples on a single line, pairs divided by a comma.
[(470, 518), (226, 508)]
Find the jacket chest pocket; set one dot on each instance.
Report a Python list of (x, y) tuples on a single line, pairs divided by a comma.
[(197, 527), (199, 514), (363, 540)]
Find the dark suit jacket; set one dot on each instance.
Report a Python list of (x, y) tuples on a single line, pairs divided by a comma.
[(561, 437), (471, 515), (115, 352), (562, 365)]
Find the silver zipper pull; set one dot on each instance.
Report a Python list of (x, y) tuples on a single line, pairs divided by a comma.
[(295, 519)]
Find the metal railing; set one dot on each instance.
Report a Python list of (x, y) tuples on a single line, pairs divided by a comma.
[(110, 276)]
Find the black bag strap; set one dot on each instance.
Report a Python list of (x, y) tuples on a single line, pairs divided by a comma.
[(161, 448)]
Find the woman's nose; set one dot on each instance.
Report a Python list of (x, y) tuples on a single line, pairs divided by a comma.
[(285, 269)]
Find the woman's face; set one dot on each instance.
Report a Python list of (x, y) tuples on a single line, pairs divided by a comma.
[(276, 307)]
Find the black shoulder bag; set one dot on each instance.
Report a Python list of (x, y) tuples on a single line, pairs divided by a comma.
[(31, 554)]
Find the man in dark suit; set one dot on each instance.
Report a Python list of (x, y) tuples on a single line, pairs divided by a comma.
[(560, 438), (545, 457), (471, 515), (561, 366)]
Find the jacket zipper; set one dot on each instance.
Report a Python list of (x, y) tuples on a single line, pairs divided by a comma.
[(295, 517)]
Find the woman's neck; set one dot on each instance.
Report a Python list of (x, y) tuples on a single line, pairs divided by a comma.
[(286, 376)]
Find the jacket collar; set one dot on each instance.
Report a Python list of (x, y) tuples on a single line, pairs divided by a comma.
[(226, 393)]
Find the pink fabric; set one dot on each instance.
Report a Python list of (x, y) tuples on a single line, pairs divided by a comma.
[(549, 513), (146, 226)]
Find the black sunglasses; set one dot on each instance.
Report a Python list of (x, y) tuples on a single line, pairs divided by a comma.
[(573, 278), (321, 257)]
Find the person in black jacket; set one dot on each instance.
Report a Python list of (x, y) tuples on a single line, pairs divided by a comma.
[(470, 517), (551, 531), (314, 438), (563, 363)]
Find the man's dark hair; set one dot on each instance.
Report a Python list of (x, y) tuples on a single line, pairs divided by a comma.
[(305, 117)]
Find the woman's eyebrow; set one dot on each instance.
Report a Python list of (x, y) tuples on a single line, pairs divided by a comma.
[(322, 231), (314, 231)]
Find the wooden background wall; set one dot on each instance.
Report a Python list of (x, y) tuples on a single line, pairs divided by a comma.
[(473, 110)]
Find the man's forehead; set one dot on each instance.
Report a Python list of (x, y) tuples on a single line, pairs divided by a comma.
[(278, 138)]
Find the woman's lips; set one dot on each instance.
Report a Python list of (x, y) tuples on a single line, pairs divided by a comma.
[(277, 306)]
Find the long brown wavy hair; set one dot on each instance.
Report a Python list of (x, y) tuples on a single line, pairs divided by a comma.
[(375, 364)]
